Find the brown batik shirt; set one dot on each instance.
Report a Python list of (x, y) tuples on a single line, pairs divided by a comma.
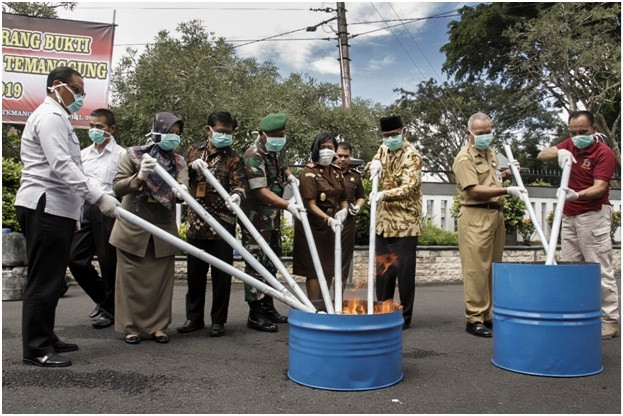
[(226, 165)]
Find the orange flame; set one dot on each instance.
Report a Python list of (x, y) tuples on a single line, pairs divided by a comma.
[(384, 262), (360, 307)]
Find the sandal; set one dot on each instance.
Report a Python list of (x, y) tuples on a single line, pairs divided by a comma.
[(132, 339), (161, 339)]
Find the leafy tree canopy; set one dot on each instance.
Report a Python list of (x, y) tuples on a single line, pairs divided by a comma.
[(195, 73), (36, 9)]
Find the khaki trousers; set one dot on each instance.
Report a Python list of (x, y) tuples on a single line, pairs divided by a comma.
[(481, 243), (586, 238)]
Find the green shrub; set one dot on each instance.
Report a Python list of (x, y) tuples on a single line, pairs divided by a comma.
[(11, 173), (287, 238), (434, 236), (362, 220)]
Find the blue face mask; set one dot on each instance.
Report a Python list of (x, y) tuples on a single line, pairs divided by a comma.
[(393, 142), (220, 140), (97, 136), (169, 141), (482, 141), (582, 142), (275, 144), (78, 99)]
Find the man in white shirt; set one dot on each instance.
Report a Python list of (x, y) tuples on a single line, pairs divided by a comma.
[(99, 161), (48, 204)]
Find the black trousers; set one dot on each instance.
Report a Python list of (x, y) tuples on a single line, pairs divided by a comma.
[(197, 281), (399, 255), (92, 238), (48, 238)]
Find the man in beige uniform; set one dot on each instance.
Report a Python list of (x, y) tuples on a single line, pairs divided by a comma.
[(481, 223)]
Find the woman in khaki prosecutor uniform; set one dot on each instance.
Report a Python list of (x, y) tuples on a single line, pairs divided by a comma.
[(324, 195), (145, 264)]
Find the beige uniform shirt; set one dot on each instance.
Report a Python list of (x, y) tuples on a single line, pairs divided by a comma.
[(471, 168), (399, 214)]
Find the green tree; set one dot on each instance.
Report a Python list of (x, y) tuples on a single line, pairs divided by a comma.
[(436, 116), (36, 9), (195, 73), (567, 53)]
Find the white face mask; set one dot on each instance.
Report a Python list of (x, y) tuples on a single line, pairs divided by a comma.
[(325, 157)]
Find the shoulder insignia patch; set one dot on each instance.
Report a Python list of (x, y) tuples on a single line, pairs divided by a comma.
[(310, 175)]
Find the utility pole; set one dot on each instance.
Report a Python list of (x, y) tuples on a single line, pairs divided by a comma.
[(342, 39)]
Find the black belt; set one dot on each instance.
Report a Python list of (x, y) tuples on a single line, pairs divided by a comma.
[(490, 205)]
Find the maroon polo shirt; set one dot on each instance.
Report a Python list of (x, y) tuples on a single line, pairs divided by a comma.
[(595, 162)]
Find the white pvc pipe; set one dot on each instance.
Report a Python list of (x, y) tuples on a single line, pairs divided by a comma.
[(225, 235), (202, 255), (526, 199), (372, 245), (553, 236), (258, 238), (324, 288), (338, 270)]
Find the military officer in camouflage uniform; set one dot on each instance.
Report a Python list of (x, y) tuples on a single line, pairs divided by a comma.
[(399, 213), (267, 176), (356, 197)]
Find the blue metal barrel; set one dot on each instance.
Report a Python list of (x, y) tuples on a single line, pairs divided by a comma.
[(547, 319), (345, 352)]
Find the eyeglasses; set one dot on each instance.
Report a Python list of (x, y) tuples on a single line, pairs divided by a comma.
[(77, 91)]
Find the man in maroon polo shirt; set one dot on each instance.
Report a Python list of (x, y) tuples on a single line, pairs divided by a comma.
[(587, 215)]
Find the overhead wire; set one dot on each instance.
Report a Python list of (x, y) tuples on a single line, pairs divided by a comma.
[(413, 61), (431, 66)]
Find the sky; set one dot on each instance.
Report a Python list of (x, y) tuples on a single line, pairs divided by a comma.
[(380, 61)]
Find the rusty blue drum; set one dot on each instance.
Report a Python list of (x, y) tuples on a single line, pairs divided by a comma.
[(547, 319), (345, 352)]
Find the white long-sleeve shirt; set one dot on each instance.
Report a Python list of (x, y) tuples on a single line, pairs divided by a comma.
[(102, 167), (50, 152)]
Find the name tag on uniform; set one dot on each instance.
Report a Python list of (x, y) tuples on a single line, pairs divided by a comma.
[(201, 190), (499, 175)]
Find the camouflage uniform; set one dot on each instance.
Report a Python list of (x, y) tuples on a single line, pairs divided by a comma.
[(263, 169)]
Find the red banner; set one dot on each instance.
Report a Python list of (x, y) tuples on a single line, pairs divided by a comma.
[(32, 47)]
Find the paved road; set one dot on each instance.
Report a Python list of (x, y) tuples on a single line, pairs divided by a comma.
[(445, 370)]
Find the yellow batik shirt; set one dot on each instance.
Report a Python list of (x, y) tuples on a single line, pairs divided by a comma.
[(400, 212)]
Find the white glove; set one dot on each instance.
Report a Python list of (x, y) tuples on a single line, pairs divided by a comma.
[(148, 164), (563, 156), (293, 180), (199, 165), (341, 215), (516, 191), (380, 196), (108, 205), (334, 223), (354, 209), (571, 195), (295, 210), (376, 167), (233, 199), (177, 193)]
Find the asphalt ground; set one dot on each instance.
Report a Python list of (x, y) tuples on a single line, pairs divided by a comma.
[(445, 369)]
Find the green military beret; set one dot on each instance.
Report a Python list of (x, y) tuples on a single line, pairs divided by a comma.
[(274, 122)]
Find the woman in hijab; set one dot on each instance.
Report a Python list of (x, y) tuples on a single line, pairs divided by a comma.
[(145, 264), (324, 195)]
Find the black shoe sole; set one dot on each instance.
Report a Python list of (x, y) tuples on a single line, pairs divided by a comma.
[(102, 326), (47, 364), (182, 330), (261, 328)]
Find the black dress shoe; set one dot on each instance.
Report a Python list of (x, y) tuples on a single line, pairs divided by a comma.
[(217, 330), (189, 326), (478, 329), (406, 325), (61, 346), (104, 321), (260, 323), (95, 312), (273, 316), (488, 324), (51, 359)]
